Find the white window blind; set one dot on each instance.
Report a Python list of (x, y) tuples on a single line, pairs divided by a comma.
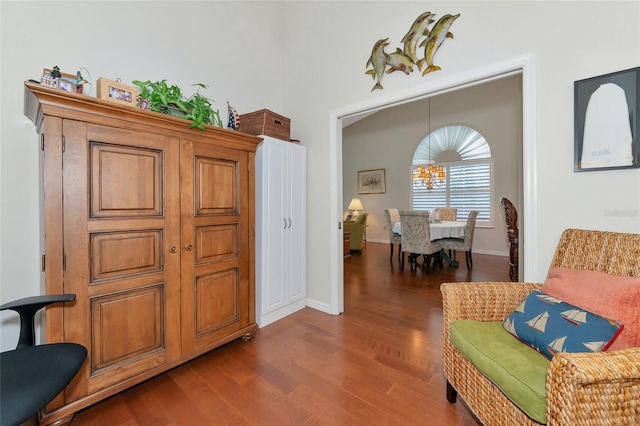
[(468, 186)]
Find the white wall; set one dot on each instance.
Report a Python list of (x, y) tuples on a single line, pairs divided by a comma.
[(305, 60), (389, 138), (567, 42), (226, 45)]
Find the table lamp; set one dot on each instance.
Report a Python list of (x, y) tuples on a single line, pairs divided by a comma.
[(355, 205)]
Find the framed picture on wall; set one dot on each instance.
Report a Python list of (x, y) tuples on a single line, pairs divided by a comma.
[(606, 117), (371, 182)]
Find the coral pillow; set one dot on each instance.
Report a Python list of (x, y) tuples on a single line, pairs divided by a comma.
[(549, 325), (610, 296)]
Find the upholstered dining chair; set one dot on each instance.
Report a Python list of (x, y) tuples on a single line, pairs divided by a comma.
[(32, 375), (416, 238), (446, 213), (393, 216), (463, 244), (511, 218)]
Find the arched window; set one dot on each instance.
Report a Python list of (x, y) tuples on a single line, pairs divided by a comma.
[(467, 161)]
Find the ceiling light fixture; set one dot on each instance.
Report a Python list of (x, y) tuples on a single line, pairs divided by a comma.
[(432, 175)]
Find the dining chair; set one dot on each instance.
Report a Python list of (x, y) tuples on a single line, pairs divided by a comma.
[(416, 238), (463, 244), (393, 216), (511, 217), (32, 375), (446, 213)]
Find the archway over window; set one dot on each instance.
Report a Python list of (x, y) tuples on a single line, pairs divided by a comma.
[(451, 143), (466, 157)]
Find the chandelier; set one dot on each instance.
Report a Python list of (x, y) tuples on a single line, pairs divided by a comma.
[(432, 175), (429, 177)]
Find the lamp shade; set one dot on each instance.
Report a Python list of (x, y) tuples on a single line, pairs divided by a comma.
[(355, 204)]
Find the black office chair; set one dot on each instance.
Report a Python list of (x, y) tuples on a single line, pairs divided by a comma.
[(31, 376)]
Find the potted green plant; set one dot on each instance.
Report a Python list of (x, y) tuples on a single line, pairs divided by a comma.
[(200, 110), (169, 99)]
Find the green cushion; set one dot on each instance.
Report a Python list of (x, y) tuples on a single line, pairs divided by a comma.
[(515, 368)]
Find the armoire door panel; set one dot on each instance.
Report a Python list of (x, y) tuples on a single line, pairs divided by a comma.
[(121, 199), (217, 301), (126, 327), (216, 242), (122, 254), (215, 224), (216, 186), (125, 181)]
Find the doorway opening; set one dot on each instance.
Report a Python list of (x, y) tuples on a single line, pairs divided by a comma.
[(523, 66)]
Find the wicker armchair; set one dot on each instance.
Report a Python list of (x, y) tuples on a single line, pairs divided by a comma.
[(581, 388)]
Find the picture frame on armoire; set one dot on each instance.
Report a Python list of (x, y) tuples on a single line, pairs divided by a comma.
[(606, 118)]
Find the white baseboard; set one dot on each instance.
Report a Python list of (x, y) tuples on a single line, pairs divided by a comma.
[(268, 318), (492, 252), (319, 306), (378, 241)]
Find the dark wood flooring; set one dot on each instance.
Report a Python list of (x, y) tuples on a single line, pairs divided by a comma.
[(379, 363)]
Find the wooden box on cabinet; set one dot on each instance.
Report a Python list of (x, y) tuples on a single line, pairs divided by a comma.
[(265, 122), (151, 225)]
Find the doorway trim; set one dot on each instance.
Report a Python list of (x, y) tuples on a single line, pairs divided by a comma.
[(524, 65)]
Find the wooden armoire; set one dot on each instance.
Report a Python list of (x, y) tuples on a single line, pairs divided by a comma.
[(151, 225)]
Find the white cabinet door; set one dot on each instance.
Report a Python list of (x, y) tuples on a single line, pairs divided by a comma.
[(297, 235), (280, 229), (270, 237)]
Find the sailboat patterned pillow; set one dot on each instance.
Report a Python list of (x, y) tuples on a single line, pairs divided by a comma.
[(550, 325)]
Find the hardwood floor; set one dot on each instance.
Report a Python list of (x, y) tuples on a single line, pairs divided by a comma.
[(379, 363)]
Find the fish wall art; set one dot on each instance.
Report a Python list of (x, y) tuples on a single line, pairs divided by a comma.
[(420, 40)]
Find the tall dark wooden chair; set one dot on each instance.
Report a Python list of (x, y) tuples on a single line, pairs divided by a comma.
[(511, 217)]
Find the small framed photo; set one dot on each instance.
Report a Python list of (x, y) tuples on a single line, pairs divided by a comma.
[(371, 182), (66, 85), (349, 217), (53, 77), (114, 91), (606, 118)]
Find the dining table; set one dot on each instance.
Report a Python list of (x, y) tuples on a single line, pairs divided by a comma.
[(440, 230)]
